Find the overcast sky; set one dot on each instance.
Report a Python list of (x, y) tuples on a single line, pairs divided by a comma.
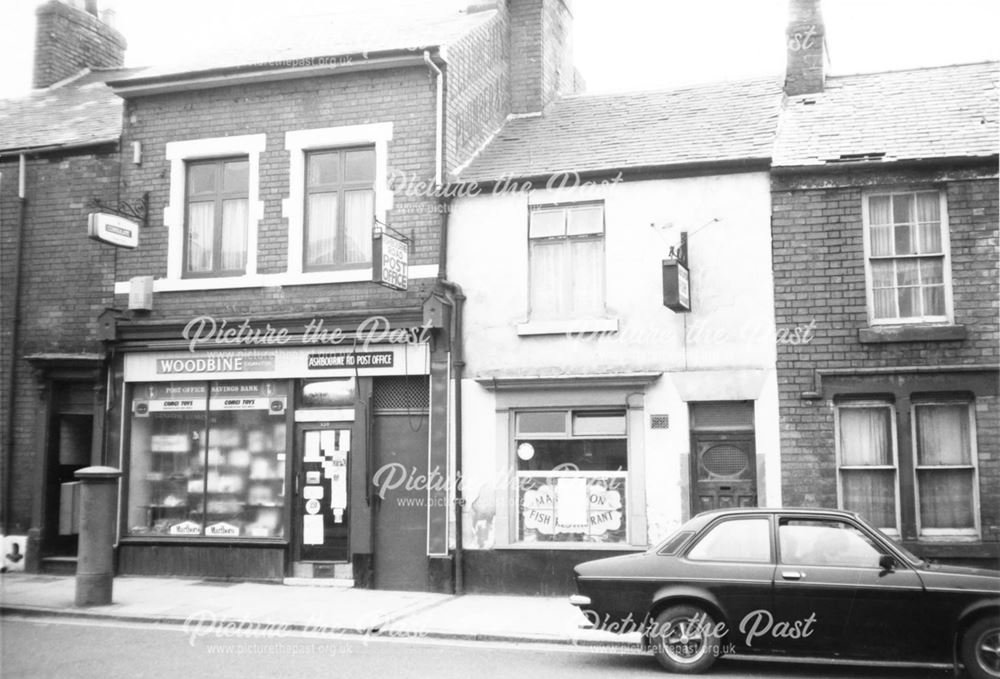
[(619, 44)]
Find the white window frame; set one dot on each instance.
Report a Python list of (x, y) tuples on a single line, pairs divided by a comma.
[(891, 407), (949, 316), (932, 533), (178, 154), (299, 143), (540, 321)]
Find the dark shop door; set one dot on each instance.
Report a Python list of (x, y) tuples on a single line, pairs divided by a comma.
[(400, 448)]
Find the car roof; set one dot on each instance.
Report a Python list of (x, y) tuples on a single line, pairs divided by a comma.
[(712, 513)]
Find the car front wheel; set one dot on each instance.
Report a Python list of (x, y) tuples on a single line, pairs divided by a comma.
[(981, 648), (684, 639)]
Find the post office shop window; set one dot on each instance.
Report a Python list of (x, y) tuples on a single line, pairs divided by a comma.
[(216, 217), (340, 208), (208, 459), (825, 543), (572, 476), (946, 478), (867, 462), (747, 540), (566, 253), (906, 244)]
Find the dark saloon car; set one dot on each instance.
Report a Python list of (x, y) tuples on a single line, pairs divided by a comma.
[(794, 582)]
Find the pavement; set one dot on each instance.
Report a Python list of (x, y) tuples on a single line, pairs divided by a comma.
[(208, 608)]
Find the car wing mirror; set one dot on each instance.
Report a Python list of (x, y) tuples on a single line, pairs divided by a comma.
[(887, 563)]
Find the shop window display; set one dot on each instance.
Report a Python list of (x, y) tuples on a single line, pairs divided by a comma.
[(572, 472), (208, 459)]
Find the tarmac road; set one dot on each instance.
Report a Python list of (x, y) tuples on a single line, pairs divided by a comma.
[(40, 647)]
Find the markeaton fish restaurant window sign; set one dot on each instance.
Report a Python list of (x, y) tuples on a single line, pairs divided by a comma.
[(572, 473)]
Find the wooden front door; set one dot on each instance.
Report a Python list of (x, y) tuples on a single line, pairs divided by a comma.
[(724, 471)]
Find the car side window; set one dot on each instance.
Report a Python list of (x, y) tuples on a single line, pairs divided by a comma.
[(735, 540), (810, 542)]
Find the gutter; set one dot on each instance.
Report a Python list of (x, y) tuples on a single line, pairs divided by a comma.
[(14, 335), (296, 68), (882, 165), (55, 148)]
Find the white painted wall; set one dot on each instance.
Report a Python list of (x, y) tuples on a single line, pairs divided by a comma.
[(723, 350)]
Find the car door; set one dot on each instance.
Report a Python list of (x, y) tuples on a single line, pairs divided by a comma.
[(832, 596), (733, 559)]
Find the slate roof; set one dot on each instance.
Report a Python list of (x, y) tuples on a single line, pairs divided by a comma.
[(723, 121), (940, 112), (81, 111), (338, 29)]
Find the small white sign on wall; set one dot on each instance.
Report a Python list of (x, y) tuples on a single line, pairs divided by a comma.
[(113, 229)]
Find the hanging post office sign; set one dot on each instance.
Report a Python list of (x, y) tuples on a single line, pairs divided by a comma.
[(113, 229), (390, 260), (676, 286)]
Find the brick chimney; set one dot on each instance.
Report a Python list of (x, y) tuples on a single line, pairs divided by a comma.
[(69, 39), (806, 48), (541, 53)]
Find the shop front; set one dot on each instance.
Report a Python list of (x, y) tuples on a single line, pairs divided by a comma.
[(255, 463)]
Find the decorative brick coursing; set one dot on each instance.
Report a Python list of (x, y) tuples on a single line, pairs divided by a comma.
[(66, 282), (819, 276), (405, 97), (67, 40)]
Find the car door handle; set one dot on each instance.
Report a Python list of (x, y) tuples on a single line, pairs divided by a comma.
[(792, 575)]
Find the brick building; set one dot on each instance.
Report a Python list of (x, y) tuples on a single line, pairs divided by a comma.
[(885, 237), (58, 154), (245, 371)]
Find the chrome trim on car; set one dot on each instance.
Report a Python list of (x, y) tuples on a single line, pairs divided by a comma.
[(579, 600)]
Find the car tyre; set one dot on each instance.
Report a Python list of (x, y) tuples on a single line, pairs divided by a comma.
[(684, 639), (980, 648)]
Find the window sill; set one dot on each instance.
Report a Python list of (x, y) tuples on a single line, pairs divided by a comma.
[(270, 280), (565, 327), (572, 546), (956, 548), (911, 333)]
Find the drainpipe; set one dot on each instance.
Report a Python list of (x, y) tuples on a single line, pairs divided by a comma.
[(15, 326), (439, 122), (457, 301)]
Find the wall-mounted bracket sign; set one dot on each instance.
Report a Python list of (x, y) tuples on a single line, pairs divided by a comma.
[(390, 258), (677, 279), (113, 229)]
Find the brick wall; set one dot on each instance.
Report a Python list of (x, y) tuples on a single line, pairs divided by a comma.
[(66, 281), (541, 66), (818, 258), (477, 93), (67, 40), (405, 97)]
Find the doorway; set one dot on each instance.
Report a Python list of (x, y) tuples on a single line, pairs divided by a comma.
[(70, 448), (723, 455), (321, 506)]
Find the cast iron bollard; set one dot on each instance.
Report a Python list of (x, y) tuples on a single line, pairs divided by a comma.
[(95, 556)]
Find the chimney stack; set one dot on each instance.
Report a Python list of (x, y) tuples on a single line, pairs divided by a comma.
[(69, 39), (806, 48), (541, 53)]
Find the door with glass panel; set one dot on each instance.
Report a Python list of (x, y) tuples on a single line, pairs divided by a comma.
[(723, 455), (322, 492)]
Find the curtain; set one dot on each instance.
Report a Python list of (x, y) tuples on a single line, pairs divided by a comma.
[(884, 289), (865, 437), (943, 435), (321, 229), (359, 218), (928, 223), (587, 276), (549, 279), (871, 493), (200, 239), (880, 221), (234, 234), (946, 498)]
